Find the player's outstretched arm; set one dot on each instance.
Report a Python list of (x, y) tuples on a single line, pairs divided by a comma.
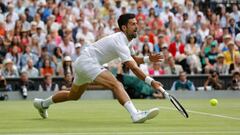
[(150, 81), (148, 59)]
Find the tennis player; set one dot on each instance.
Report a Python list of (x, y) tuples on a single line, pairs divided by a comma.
[(88, 68)]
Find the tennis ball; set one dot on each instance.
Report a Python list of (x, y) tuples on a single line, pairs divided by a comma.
[(213, 102)]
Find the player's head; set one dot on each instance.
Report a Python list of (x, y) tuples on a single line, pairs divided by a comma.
[(128, 24)]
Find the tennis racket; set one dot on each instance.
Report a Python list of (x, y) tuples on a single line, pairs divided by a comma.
[(175, 102)]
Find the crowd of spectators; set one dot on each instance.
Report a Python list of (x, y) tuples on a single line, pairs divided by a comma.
[(43, 37)]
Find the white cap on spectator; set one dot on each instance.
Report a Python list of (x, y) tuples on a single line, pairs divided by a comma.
[(220, 55), (164, 45), (6, 61), (132, 2), (78, 45), (67, 58), (33, 23), (227, 36)]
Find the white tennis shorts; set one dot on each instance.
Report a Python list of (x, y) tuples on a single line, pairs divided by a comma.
[(86, 69)]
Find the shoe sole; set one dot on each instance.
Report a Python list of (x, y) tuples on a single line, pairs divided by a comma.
[(141, 120), (153, 113)]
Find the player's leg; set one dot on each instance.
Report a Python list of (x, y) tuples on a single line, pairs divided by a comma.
[(61, 96), (74, 94), (106, 79)]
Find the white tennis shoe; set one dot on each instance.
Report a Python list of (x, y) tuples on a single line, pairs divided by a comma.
[(42, 110), (142, 116)]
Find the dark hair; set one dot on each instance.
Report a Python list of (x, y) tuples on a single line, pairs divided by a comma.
[(192, 36), (144, 52), (123, 19)]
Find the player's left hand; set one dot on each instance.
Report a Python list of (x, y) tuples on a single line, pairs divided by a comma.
[(156, 57)]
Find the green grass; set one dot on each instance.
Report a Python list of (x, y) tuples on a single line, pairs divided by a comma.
[(107, 117)]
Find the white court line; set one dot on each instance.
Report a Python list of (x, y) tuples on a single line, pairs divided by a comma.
[(204, 113), (131, 133)]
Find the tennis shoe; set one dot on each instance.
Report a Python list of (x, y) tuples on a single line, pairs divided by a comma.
[(42, 110), (142, 116)]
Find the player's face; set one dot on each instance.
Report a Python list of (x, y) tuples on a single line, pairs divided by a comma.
[(131, 29)]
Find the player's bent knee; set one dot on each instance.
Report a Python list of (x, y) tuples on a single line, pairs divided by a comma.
[(117, 86)]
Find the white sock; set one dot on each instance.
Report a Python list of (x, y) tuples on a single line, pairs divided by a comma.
[(130, 108), (47, 102)]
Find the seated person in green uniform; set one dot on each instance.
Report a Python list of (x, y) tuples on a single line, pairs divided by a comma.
[(135, 87), (183, 83)]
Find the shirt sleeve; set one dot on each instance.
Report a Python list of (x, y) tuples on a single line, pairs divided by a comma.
[(123, 52)]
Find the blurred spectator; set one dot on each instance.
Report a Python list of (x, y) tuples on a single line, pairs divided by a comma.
[(177, 47), (213, 82), (49, 45), (35, 47), (86, 35), (14, 55), (236, 65), (155, 69), (9, 23), (223, 46), (172, 68), (210, 57), (159, 7), (183, 83), (143, 45), (3, 49), (47, 68), (30, 69), (40, 36), (67, 46), (204, 31), (67, 82), (145, 50), (24, 85), (230, 54), (235, 82), (77, 51), (161, 42), (192, 50), (193, 32), (28, 55), (11, 12), (150, 34), (4, 88), (219, 66), (233, 28), (57, 55), (77, 29), (132, 9), (48, 84), (28, 16), (9, 69), (65, 66)]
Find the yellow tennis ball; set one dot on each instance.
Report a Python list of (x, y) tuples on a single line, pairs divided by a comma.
[(213, 102)]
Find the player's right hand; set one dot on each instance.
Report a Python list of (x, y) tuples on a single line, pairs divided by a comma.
[(156, 85)]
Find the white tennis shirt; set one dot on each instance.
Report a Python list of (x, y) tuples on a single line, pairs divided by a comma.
[(109, 48)]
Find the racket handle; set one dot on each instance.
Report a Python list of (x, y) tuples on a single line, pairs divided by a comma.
[(166, 94)]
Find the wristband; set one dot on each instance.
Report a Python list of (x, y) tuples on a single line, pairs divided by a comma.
[(149, 80), (146, 59)]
